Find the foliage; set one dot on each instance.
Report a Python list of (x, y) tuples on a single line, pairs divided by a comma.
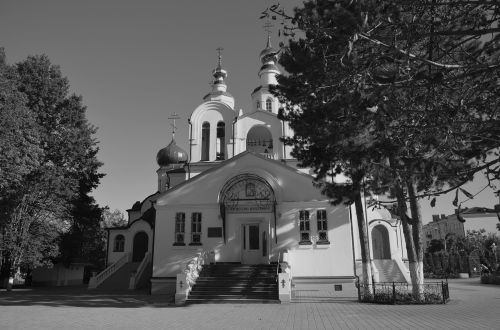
[(490, 279), (435, 246), (56, 172), (400, 293), (19, 147), (112, 219), (403, 94)]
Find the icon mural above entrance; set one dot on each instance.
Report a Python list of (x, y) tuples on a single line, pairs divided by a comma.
[(247, 193)]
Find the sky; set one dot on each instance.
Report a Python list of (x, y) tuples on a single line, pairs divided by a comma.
[(137, 62)]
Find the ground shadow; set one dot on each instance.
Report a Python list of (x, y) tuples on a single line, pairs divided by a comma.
[(82, 297)]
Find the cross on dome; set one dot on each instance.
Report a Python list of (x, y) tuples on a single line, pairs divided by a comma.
[(219, 50), (173, 117)]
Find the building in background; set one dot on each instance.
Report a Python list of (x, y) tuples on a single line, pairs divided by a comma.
[(475, 218)]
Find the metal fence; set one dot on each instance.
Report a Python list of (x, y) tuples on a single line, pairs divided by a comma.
[(402, 293)]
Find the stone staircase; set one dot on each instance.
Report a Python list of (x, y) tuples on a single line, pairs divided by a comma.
[(120, 279), (235, 283), (388, 271)]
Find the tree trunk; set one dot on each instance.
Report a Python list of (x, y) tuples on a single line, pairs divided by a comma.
[(417, 236), (363, 240), (410, 247)]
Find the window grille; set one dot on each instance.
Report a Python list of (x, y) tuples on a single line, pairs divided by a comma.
[(180, 228), (269, 104), (196, 228), (322, 226), (119, 243), (304, 226)]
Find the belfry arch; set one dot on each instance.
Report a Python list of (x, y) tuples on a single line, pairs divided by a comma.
[(260, 140)]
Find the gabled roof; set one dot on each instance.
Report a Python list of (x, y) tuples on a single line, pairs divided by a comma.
[(289, 184)]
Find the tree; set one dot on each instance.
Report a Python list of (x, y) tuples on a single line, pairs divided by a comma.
[(436, 245), (406, 90), (19, 136), (112, 219), (49, 198)]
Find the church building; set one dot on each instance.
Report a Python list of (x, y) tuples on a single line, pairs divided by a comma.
[(238, 198)]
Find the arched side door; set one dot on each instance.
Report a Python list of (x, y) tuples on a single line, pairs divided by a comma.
[(140, 248), (380, 243)]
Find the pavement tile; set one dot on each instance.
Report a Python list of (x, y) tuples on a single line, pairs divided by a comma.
[(473, 306)]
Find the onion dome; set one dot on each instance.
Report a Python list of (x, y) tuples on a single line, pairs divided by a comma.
[(219, 87), (268, 54), (171, 154), (219, 74)]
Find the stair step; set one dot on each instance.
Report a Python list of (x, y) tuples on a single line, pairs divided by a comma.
[(233, 292), (232, 301), (233, 283), (233, 287)]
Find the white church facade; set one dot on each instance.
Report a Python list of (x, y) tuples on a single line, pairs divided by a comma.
[(237, 197)]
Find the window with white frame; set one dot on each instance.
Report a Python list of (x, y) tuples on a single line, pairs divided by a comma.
[(119, 245), (304, 227), (269, 104), (180, 228), (322, 227), (196, 228)]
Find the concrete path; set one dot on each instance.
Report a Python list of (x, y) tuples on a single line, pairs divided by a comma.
[(473, 306)]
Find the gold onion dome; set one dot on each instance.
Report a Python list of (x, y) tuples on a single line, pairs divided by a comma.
[(171, 154)]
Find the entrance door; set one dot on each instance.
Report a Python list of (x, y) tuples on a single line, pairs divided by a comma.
[(380, 243), (140, 246), (252, 249)]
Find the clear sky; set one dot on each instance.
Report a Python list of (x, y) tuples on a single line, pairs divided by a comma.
[(137, 62)]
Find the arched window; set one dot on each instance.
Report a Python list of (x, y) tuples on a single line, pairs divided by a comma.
[(119, 245), (205, 141), (269, 104), (221, 141)]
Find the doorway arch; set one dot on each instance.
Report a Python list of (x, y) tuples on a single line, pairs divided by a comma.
[(140, 247), (380, 243)]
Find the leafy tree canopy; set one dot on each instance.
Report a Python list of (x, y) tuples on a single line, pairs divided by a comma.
[(50, 166)]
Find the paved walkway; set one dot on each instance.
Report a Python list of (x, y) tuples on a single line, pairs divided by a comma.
[(473, 306)]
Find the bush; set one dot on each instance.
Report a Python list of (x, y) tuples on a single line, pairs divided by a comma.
[(490, 279)]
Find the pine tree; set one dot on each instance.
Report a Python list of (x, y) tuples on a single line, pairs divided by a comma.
[(406, 92)]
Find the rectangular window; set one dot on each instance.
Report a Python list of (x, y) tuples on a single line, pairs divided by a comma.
[(180, 228), (304, 227), (322, 227), (195, 228)]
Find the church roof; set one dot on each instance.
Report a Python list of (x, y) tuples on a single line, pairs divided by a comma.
[(204, 188)]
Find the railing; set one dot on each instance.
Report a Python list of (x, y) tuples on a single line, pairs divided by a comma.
[(134, 280), (187, 278), (278, 266), (404, 293), (269, 155), (102, 276)]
